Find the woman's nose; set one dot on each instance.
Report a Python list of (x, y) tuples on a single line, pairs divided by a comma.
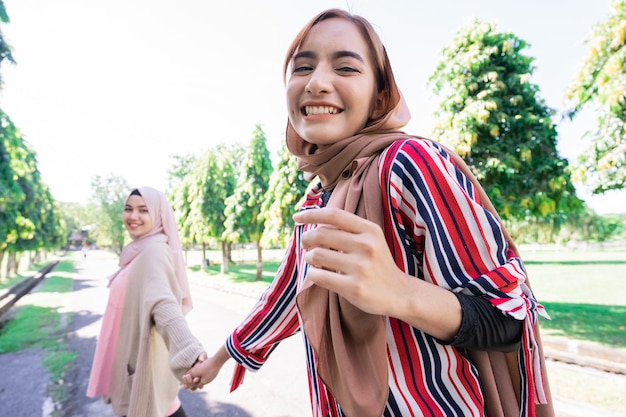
[(319, 81)]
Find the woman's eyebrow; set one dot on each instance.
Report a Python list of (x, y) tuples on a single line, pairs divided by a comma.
[(304, 54), (350, 54), (335, 55)]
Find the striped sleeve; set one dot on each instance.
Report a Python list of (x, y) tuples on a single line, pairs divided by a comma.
[(459, 244), (273, 319), (439, 231)]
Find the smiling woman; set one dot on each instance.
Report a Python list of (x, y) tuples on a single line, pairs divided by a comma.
[(151, 292), (390, 276)]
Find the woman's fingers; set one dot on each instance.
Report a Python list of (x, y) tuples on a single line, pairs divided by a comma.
[(349, 255), (334, 217)]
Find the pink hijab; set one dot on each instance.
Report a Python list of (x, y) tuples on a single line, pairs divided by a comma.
[(164, 229)]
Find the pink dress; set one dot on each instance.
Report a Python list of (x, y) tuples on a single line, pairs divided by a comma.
[(100, 378)]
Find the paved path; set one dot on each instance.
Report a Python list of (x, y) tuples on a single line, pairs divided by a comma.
[(277, 390)]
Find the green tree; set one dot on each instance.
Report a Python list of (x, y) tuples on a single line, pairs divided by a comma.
[(492, 116), (29, 217), (600, 86), (286, 190), (177, 192), (244, 221), (180, 167), (604, 228), (9, 189), (76, 217), (209, 183), (587, 226), (108, 195), (49, 230), (11, 194)]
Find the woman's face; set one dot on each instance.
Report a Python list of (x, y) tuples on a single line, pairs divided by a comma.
[(136, 218), (331, 89)]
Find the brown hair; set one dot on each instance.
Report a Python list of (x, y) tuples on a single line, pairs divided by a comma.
[(388, 92)]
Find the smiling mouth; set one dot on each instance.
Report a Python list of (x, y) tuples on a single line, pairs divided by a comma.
[(316, 110)]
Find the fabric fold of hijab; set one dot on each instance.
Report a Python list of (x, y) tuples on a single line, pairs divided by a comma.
[(350, 343), (164, 229)]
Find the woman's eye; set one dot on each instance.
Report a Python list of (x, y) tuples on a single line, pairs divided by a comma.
[(347, 69), (143, 211), (302, 68)]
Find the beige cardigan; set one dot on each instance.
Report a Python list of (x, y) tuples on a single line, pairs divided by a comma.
[(155, 345)]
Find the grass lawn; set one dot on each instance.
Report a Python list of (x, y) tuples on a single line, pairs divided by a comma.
[(39, 324), (584, 291)]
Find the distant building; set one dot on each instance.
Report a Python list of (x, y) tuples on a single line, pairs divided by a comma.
[(76, 240)]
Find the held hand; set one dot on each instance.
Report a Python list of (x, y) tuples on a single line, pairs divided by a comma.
[(349, 255), (190, 382), (205, 370)]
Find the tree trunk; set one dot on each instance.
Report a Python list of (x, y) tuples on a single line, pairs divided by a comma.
[(7, 267), (229, 251), (11, 264), (16, 262), (259, 261), (205, 264), (225, 257), (1, 258)]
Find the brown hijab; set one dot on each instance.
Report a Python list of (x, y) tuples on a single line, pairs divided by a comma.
[(350, 344)]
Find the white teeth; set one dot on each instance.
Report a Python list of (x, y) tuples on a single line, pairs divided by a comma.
[(311, 110)]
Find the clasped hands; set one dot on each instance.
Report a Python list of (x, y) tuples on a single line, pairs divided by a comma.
[(201, 373)]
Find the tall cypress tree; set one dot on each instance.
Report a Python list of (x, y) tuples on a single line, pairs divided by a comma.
[(286, 189), (244, 220)]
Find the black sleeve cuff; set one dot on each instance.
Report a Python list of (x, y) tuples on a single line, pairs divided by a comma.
[(484, 327)]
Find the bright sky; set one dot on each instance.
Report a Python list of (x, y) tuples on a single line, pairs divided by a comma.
[(118, 86)]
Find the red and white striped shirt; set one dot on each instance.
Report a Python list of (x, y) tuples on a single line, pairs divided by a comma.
[(437, 231)]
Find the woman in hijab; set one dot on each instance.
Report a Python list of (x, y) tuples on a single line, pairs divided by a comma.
[(399, 272), (139, 361)]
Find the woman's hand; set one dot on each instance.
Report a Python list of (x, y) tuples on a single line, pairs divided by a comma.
[(205, 370), (349, 255)]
